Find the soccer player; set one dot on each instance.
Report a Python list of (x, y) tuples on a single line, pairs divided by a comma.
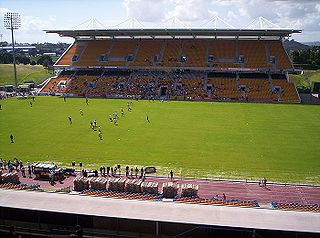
[(70, 120), (64, 98), (81, 112), (0, 107), (147, 118), (122, 112), (100, 135), (110, 118), (30, 104), (11, 138), (87, 101)]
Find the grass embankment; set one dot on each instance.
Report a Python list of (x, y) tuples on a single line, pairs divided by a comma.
[(300, 80), (34, 73)]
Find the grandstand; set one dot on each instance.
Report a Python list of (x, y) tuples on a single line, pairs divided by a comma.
[(176, 64)]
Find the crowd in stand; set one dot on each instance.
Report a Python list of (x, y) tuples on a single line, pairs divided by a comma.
[(170, 85)]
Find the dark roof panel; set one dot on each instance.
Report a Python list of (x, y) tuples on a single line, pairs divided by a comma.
[(153, 32)]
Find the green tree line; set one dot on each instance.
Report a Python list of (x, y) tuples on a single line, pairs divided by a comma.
[(307, 59), (7, 58)]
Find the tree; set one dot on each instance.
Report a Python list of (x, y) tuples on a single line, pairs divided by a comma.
[(309, 57), (5, 57), (45, 60)]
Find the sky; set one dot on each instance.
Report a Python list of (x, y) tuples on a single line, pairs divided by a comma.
[(39, 15)]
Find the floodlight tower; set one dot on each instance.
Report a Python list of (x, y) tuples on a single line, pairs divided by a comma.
[(1, 41), (12, 21)]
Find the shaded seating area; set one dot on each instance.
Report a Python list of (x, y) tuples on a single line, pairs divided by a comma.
[(202, 201), (122, 195), (19, 186), (296, 206)]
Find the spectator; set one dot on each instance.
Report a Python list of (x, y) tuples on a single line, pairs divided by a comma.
[(142, 173), (127, 171), (79, 231), (29, 171), (16, 163), (51, 176), (12, 233), (136, 171), (23, 172), (171, 175)]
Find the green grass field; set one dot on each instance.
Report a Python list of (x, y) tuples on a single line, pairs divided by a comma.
[(195, 139), (34, 73)]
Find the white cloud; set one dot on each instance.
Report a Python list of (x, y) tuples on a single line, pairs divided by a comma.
[(304, 14), (144, 10), (31, 29)]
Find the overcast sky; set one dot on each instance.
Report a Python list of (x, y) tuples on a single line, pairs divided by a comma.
[(37, 15)]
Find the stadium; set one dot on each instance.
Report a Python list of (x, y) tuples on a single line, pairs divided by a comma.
[(212, 105), (177, 64)]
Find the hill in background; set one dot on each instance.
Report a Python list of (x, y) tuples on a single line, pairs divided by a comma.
[(313, 43), (292, 45)]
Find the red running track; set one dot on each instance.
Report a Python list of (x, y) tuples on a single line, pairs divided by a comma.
[(232, 190), (252, 191)]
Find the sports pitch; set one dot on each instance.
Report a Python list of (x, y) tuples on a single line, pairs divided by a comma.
[(195, 139)]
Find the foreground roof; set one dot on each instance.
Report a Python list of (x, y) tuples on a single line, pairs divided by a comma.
[(175, 32), (170, 211)]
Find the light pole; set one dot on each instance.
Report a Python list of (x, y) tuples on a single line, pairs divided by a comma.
[(12, 21), (1, 41)]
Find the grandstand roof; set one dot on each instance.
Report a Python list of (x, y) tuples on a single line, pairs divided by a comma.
[(175, 32)]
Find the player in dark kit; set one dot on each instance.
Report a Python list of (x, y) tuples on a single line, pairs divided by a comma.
[(70, 120)]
